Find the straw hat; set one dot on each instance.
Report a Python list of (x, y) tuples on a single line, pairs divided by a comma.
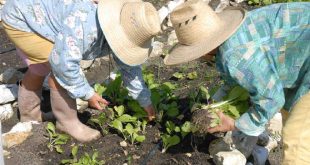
[(128, 26), (200, 30)]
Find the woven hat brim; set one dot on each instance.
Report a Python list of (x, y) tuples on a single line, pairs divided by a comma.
[(109, 19), (232, 18)]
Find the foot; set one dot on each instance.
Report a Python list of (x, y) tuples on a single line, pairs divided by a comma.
[(79, 131)]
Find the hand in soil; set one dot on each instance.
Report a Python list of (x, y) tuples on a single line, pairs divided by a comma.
[(227, 124), (97, 102), (150, 112)]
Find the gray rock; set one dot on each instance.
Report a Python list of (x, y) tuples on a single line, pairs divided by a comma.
[(85, 64), (244, 143), (10, 76), (217, 146), (17, 135), (234, 157)]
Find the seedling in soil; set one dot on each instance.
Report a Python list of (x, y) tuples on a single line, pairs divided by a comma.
[(129, 132), (86, 159), (234, 105), (100, 120), (192, 75), (132, 134), (169, 141), (178, 75), (55, 139)]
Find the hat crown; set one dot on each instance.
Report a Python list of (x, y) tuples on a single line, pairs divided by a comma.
[(193, 21), (140, 22)]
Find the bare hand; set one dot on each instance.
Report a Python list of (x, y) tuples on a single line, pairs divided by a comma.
[(150, 112), (226, 124), (97, 102)]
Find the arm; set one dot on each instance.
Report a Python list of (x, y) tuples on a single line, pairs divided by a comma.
[(134, 83), (259, 77), (66, 55)]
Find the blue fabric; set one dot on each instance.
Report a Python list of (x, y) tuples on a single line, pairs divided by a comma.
[(73, 27), (269, 55)]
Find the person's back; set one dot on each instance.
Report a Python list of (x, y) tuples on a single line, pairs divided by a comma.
[(270, 48), (48, 17)]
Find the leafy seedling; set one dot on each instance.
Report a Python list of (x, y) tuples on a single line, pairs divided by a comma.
[(233, 105), (192, 75), (100, 120), (85, 159), (178, 75), (55, 139), (169, 141), (132, 134)]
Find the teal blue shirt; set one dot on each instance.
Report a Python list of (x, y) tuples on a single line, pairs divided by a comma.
[(269, 55)]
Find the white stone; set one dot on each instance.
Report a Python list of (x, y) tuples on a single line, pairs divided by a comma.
[(10, 76), (8, 93), (85, 64), (239, 1), (229, 158), (172, 38), (17, 135), (157, 49), (81, 104), (6, 112), (272, 144), (123, 143), (222, 5), (275, 126)]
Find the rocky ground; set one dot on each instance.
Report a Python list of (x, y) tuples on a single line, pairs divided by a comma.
[(111, 148)]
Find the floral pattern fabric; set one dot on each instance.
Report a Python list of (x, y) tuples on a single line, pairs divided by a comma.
[(73, 27)]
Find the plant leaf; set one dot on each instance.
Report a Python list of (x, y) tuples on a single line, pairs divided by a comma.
[(178, 75), (129, 129), (117, 125), (127, 118), (59, 149), (74, 151), (192, 75), (120, 110), (186, 127), (140, 138)]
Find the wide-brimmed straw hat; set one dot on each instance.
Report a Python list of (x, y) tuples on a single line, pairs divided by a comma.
[(129, 26), (200, 30)]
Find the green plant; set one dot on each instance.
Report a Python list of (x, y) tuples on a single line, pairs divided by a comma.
[(85, 159), (169, 141), (99, 120), (55, 139), (129, 132), (178, 75), (234, 105), (192, 75)]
